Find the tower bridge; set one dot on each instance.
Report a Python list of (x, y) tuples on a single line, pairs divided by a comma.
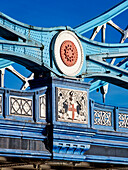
[(55, 124)]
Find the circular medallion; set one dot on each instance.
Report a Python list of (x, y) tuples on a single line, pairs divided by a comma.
[(68, 53)]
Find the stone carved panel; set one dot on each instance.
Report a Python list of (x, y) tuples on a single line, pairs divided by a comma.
[(123, 120), (20, 106), (42, 106), (72, 105), (103, 118)]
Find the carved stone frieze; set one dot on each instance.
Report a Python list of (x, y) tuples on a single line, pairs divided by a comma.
[(72, 105), (20, 106)]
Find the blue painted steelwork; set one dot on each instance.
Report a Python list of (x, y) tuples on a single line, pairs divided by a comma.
[(107, 128), (32, 117), (102, 19), (5, 63), (34, 59), (99, 21), (35, 52), (22, 129), (103, 139)]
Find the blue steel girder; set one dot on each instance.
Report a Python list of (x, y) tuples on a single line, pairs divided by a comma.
[(100, 52), (13, 30), (33, 47), (25, 54), (102, 19), (100, 22), (107, 72)]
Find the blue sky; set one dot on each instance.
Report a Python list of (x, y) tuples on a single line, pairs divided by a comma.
[(55, 13), (49, 13)]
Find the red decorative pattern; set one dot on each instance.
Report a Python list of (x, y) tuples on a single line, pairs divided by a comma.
[(68, 53), (73, 110)]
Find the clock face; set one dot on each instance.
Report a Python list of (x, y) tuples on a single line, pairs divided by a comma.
[(68, 53)]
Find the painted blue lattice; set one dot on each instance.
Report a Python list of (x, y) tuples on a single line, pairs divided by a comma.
[(123, 120), (102, 118)]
